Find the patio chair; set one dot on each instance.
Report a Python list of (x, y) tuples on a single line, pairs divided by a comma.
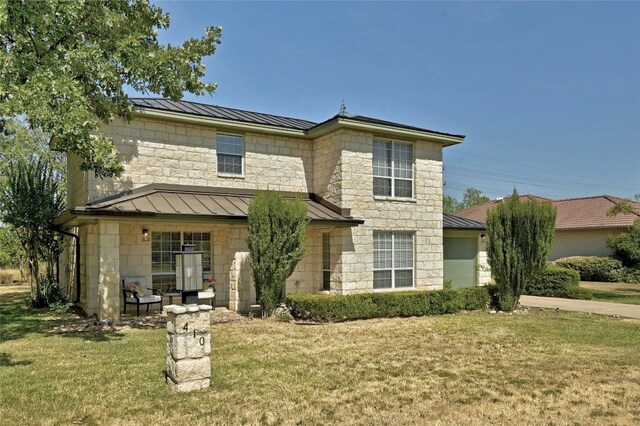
[(135, 294)]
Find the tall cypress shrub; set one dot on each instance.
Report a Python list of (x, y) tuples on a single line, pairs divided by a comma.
[(521, 237), (276, 242)]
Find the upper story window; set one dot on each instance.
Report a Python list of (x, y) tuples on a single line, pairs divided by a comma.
[(230, 150), (392, 168)]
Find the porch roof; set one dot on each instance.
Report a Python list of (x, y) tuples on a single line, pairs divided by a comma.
[(190, 202)]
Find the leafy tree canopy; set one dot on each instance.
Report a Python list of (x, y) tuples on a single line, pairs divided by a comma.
[(64, 64), (472, 197)]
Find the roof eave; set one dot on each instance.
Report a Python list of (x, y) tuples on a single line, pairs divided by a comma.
[(78, 216), (337, 123)]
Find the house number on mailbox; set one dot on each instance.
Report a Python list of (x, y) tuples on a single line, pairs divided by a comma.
[(186, 328)]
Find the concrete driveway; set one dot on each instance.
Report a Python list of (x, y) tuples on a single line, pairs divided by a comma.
[(605, 308)]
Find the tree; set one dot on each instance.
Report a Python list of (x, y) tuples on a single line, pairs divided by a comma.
[(521, 236), (12, 253), (626, 245), (276, 240), (449, 204), (30, 201), (472, 197), (63, 66)]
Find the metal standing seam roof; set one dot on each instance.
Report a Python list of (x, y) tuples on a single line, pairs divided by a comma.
[(209, 203), (454, 222), (233, 114)]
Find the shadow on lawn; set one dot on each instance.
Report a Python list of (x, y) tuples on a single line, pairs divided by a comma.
[(17, 319), (5, 361)]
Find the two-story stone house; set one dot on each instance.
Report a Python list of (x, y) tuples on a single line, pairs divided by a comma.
[(373, 190)]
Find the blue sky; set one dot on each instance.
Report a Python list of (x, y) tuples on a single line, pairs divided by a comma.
[(548, 94)]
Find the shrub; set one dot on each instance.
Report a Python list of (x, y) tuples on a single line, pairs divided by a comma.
[(557, 282), (520, 240), (336, 308), (594, 268), (626, 246), (276, 241)]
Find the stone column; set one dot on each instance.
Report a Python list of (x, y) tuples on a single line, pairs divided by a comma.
[(109, 270), (188, 347)]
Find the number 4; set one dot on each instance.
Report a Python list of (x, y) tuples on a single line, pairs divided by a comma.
[(186, 327)]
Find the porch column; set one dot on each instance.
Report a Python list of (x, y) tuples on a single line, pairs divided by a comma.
[(237, 275), (108, 270)]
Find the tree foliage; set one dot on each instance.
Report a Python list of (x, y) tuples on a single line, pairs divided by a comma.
[(471, 197), (276, 239), (30, 201), (626, 245), (64, 65), (521, 237)]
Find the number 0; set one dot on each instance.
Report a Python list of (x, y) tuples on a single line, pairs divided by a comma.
[(202, 341)]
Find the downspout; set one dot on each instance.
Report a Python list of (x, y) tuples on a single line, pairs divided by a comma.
[(77, 238)]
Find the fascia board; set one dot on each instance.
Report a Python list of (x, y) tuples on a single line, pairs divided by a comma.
[(379, 129)]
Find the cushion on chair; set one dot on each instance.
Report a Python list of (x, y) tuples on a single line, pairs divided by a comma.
[(150, 299)]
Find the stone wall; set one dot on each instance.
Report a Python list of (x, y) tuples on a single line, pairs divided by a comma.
[(421, 215), (153, 151)]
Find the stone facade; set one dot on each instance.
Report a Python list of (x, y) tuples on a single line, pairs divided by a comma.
[(336, 166)]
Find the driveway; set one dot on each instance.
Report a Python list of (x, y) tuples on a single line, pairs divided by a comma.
[(605, 308)]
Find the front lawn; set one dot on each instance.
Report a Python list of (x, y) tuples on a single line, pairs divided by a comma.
[(474, 368), (614, 292)]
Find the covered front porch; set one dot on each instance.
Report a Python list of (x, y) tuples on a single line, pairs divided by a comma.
[(122, 238)]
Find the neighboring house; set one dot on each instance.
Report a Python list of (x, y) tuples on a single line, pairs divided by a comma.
[(582, 224), (373, 190)]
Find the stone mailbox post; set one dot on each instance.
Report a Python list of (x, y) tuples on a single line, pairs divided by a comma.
[(188, 347)]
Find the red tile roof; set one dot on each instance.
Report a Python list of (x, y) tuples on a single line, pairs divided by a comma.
[(571, 213)]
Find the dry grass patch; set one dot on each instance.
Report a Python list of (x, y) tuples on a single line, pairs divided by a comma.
[(540, 368)]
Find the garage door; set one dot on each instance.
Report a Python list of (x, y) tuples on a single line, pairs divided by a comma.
[(459, 261)]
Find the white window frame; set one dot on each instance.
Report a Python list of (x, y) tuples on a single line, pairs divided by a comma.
[(205, 272), (395, 146), (242, 155), (393, 268)]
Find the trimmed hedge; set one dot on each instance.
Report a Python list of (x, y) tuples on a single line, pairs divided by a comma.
[(336, 308), (594, 268), (558, 282)]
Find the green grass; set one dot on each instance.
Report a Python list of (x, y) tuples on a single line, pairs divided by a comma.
[(614, 292), (474, 368), (608, 296)]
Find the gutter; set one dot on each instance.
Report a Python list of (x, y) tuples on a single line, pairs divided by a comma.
[(77, 238)]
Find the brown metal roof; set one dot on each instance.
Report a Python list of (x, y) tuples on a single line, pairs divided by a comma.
[(207, 203), (454, 222), (572, 213), (233, 114)]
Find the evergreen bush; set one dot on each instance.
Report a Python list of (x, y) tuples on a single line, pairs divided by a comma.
[(337, 308), (555, 281), (520, 240), (276, 241), (594, 268)]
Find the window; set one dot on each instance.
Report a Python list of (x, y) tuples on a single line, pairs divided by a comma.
[(230, 150), (392, 260), (163, 260), (392, 168), (326, 262)]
